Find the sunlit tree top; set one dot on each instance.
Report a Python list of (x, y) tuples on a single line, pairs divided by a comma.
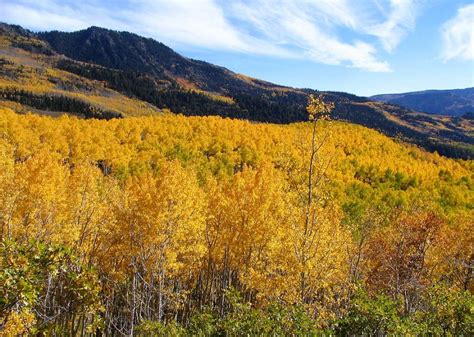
[(317, 108)]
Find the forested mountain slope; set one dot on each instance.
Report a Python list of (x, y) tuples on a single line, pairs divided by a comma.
[(454, 102), (115, 71), (30, 82)]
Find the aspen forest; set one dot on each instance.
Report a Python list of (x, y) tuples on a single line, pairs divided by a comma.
[(169, 225)]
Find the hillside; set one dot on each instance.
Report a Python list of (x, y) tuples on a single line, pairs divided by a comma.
[(455, 102), (115, 71), (30, 82)]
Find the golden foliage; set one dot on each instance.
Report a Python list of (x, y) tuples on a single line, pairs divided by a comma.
[(176, 210)]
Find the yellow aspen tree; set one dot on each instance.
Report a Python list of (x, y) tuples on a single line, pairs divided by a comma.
[(8, 194), (244, 229), (157, 240), (317, 240), (89, 209), (39, 209)]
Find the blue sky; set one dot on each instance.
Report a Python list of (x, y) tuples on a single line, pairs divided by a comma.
[(364, 47)]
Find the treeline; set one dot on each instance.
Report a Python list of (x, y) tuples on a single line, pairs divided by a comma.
[(202, 226), (61, 103)]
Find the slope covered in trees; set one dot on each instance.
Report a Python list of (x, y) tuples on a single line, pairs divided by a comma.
[(117, 64), (173, 225), (29, 82)]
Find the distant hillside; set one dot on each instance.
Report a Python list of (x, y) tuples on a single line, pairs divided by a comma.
[(123, 74), (455, 102), (231, 94)]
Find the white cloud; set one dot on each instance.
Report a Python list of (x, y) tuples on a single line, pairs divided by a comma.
[(458, 35), (400, 20), (200, 23), (307, 29), (338, 32), (59, 15), (38, 18)]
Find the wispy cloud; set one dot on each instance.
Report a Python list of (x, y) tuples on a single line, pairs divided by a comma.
[(458, 35), (338, 32), (307, 30), (200, 23), (400, 20)]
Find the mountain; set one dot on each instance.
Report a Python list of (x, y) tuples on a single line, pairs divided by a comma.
[(234, 95), (453, 102), (103, 73)]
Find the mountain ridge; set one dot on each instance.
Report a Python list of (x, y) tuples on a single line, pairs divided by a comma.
[(451, 102)]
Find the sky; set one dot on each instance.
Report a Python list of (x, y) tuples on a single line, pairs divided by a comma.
[(364, 47)]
